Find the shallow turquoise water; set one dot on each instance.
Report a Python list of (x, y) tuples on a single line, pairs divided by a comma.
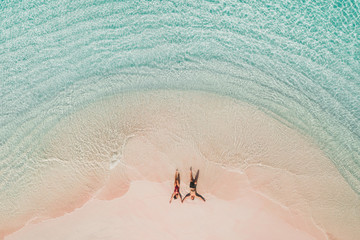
[(298, 61)]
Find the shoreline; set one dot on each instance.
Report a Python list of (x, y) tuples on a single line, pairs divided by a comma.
[(102, 149)]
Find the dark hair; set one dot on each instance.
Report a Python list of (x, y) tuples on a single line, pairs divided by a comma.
[(175, 196)]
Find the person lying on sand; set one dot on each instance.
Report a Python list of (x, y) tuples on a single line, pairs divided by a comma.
[(193, 183), (176, 193)]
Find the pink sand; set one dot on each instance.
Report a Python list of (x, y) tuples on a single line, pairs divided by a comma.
[(144, 212), (262, 180)]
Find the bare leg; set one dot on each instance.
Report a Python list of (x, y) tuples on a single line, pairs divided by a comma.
[(196, 176), (191, 176), (177, 178)]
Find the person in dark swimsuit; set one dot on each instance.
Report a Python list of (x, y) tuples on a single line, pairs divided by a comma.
[(193, 182), (176, 192)]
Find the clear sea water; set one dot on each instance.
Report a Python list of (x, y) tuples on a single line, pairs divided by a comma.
[(298, 61)]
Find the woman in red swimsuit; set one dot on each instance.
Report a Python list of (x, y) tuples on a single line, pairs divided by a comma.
[(176, 193)]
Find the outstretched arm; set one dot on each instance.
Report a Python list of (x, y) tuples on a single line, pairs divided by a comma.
[(198, 195), (187, 195), (171, 198)]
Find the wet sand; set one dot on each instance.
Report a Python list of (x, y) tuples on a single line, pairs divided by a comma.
[(262, 179)]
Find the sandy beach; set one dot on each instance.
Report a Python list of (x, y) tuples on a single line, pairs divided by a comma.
[(144, 212), (112, 170)]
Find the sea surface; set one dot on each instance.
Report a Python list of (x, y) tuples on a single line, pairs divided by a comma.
[(296, 61)]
